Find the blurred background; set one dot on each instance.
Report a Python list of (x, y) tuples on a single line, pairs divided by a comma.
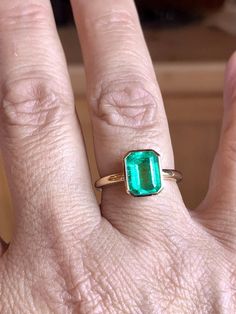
[(190, 43)]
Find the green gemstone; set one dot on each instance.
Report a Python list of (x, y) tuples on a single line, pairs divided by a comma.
[(143, 173)]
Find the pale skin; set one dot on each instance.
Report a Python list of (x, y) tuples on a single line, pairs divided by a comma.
[(129, 255)]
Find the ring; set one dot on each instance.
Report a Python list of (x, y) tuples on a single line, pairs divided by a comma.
[(142, 174)]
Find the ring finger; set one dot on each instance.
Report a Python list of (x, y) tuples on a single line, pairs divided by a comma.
[(126, 105)]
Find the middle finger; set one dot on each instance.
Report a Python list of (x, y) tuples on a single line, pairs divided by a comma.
[(39, 133)]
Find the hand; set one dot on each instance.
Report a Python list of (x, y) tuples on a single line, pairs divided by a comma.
[(68, 255)]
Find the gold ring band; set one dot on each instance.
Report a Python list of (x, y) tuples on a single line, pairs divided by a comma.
[(142, 174), (168, 174)]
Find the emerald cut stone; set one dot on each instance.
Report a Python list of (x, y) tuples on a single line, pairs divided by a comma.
[(143, 173)]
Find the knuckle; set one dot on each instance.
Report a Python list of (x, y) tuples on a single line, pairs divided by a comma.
[(23, 16), (30, 105), (129, 105)]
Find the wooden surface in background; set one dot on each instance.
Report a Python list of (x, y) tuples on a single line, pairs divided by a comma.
[(193, 100), (190, 43)]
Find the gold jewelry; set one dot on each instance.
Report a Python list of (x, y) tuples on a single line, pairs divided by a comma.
[(143, 175)]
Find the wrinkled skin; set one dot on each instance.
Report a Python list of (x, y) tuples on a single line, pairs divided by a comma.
[(129, 255)]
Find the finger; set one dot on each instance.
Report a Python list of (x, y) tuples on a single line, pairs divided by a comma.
[(126, 104), (40, 136), (218, 211)]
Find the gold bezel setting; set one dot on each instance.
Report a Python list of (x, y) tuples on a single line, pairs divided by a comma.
[(160, 173)]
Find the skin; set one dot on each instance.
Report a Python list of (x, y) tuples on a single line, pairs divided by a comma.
[(69, 255)]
